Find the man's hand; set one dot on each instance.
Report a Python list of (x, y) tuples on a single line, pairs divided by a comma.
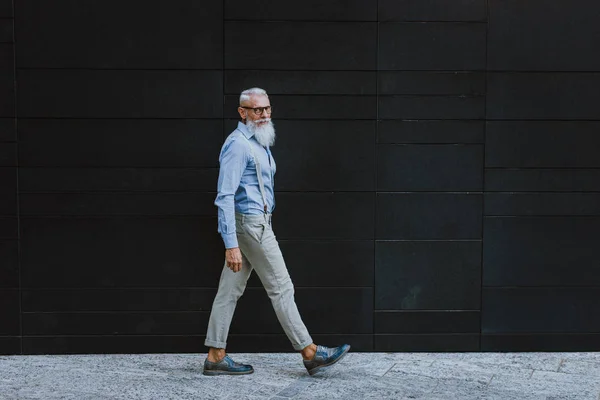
[(233, 257)]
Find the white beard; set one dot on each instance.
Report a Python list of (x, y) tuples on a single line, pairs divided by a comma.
[(264, 134)]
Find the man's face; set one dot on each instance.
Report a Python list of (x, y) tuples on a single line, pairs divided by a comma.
[(259, 117)]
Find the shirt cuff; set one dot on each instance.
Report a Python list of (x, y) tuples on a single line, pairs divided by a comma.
[(230, 240)]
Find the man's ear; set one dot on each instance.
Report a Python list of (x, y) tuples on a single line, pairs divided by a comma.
[(242, 112)]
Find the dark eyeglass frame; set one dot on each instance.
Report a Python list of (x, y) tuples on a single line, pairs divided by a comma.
[(259, 110)]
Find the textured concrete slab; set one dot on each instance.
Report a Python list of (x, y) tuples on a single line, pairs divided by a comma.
[(591, 368), (552, 384), (537, 361), (592, 357), (429, 376)]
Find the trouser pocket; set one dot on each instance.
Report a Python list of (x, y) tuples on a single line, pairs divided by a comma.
[(255, 231)]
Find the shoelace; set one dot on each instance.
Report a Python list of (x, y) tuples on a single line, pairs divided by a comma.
[(324, 351)]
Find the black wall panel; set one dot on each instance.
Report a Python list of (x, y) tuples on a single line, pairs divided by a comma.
[(8, 191), (120, 142), (432, 83), (543, 96), (118, 299), (540, 342), (10, 291), (8, 154), (9, 312), (104, 323), (7, 80), (8, 130), (429, 167), (432, 10), (338, 215), (541, 310), (426, 321), (6, 30), (515, 144), (305, 161), (541, 177), (431, 107), (333, 10), (307, 259), (6, 8), (430, 131), (301, 45), (541, 36), (9, 268), (542, 204), (114, 179), (10, 345), (432, 46), (112, 344), (437, 186), (123, 204), (424, 216), (427, 342), (541, 251), (9, 228), (144, 252), (302, 82), (123, 35), (543, 180), (59, 93), (427, 275)]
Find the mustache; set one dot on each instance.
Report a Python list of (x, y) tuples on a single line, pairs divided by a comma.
[(262, 120)]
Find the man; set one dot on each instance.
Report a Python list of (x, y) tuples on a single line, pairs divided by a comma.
[(245, 201)]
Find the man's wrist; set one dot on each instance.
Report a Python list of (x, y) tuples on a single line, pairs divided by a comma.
[(230, 240)]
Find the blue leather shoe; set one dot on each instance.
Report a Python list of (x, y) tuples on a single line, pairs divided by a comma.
[(226, 367), (324, 357)]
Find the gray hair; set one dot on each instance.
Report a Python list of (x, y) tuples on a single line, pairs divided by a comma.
[(246, 94)]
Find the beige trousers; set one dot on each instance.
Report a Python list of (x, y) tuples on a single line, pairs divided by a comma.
[(260, 251)]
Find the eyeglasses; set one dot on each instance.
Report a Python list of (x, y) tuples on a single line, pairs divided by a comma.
[(259, 110)]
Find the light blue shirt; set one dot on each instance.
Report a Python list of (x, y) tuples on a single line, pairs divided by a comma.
[(238, 189)]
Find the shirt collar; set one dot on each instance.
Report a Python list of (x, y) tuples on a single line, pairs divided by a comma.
[(242, 127)]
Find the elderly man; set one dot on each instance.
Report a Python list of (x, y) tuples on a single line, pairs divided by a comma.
[(245, 201)]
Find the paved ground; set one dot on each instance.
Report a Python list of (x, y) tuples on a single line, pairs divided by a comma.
[(439, 376)]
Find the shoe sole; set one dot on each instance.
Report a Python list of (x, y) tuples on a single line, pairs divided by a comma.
[(217, 372), (317, 369)]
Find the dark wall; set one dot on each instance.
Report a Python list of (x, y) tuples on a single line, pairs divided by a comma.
[(10, 331), (438, 172)]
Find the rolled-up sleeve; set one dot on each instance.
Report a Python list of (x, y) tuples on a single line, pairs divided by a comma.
[(233, 161)]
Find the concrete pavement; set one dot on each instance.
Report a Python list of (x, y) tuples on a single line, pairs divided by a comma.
[(431, 376)]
